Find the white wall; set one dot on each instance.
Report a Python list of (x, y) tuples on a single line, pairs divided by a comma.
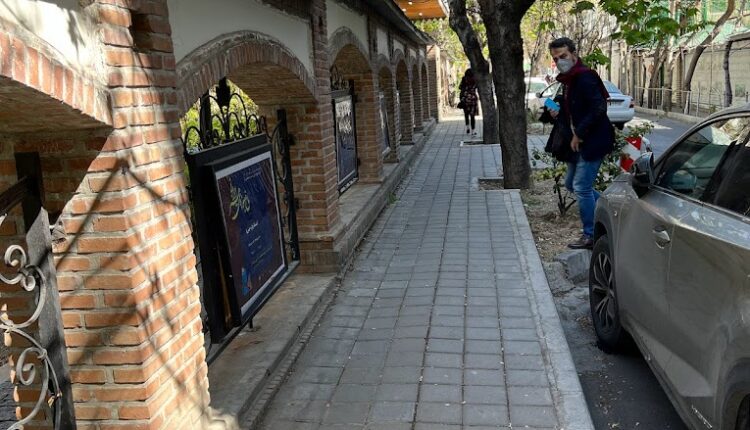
[(398, 46), (339, 16), (195, 22), (62, 26), (383, 43)]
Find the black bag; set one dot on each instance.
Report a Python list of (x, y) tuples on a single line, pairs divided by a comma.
[(461, 105), (559, 140)]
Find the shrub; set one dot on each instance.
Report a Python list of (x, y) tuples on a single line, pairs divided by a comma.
[(609, 170)]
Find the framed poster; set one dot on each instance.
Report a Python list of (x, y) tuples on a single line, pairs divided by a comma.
[(346, 141), (252, 226), (386, 142)]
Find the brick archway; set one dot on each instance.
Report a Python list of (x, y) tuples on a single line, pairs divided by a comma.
[(342, 38), (267, 69), (351, 62), (426, 112), (35, 79)]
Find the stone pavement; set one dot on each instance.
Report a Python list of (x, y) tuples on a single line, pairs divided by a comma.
[(445, 320)]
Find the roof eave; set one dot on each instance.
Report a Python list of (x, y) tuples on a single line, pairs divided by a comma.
[(393, 14)]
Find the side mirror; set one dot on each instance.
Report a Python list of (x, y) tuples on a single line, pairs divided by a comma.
[(643, 173), (539, 95)]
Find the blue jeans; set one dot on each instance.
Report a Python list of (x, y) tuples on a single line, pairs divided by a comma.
[(580, 181)]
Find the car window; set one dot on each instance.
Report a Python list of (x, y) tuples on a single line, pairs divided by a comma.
[(732, 191), (611, 88), (536, 87), (690, 166), (552, 90)]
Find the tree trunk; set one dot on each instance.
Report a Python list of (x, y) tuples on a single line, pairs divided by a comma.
[(503, 22), (702, 47), (727, 77), (460, 23)]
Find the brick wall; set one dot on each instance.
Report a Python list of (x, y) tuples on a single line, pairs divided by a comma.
[(435, 80), (416, 86), (406, 113)]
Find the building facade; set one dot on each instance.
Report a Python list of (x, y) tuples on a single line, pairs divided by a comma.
[(94, 90)]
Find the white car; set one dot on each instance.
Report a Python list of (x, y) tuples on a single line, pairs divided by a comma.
[(620, 107), (534, 86)]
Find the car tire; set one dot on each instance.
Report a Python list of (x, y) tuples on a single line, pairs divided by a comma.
[(605, 313)]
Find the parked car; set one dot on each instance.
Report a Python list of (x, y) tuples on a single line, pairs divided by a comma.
[(671, 269), (620, 107), (533, 87)]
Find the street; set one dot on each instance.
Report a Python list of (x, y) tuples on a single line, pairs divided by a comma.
[(666, 131)]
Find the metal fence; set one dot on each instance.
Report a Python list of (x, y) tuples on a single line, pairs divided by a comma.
[(697, 102)]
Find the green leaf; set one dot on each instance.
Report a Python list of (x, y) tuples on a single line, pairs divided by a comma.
[(582, 6)]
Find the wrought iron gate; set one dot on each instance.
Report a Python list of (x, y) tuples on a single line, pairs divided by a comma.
[(238, 168), (345, 130), (34, 273), (385, 143)]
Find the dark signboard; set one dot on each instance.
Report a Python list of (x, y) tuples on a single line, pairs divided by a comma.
[(386, 141), (346, 141), (252, 225)]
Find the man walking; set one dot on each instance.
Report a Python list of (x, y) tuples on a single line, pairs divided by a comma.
[(584, 110)]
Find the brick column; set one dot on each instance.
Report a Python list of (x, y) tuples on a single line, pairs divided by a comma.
[(369, 135), (435, 80), (406, 123), (387, 84), (126, 268), (416, 85), (426, 114)]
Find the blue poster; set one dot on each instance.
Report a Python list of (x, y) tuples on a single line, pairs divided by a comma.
[(247, 192)]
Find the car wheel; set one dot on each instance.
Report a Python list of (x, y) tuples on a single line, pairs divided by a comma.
[(605, 313)]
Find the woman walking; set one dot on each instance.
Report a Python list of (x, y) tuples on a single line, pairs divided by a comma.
[(469, 101)]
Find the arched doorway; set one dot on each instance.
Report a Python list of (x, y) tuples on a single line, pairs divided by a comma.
[(426, 94), (351, 73), (277, 133)]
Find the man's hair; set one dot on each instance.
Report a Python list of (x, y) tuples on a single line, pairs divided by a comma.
[(562, 42)]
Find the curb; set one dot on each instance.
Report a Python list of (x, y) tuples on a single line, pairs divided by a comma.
[(570, 403), (688, 119), (576, 264)]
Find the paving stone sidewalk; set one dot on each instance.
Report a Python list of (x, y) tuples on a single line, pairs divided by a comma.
[(445, 320)]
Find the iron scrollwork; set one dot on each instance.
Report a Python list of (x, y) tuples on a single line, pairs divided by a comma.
[(339, 81), (280, 141), (32, 280), (223, 118)]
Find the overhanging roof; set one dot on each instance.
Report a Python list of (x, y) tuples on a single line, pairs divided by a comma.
[(389, 10), (423, 9)]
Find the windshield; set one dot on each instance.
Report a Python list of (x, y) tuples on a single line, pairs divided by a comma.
[(612, 88), (536, 87)]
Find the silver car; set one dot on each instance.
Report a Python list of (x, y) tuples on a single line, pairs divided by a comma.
[(671, 269)]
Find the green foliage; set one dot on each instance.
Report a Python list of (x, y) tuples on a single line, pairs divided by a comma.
[(242, 106), (446, 39), (609, 170), (596, 58)]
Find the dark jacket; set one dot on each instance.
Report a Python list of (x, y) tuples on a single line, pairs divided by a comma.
[(588, 108)]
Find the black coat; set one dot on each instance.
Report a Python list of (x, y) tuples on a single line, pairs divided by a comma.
[(588, 108)]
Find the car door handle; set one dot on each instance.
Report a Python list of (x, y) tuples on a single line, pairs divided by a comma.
[(661, 237)]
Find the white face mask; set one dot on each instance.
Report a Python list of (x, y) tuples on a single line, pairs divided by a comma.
[(564, 65)]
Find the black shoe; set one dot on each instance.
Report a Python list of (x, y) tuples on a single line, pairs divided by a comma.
[(584, 242)]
